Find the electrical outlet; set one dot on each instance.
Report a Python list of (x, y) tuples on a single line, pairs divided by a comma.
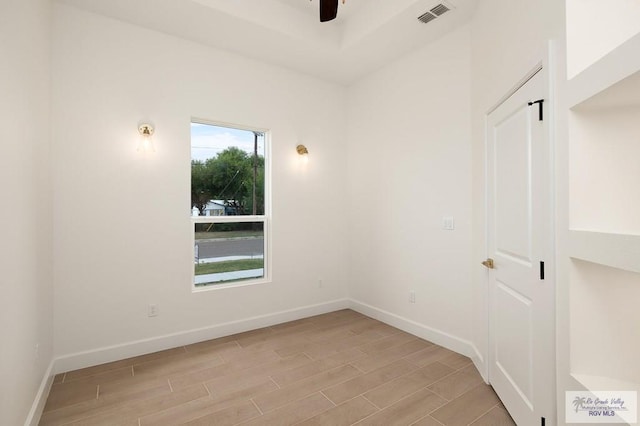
[(153, 310), (412, 297), (448, 223), (320, 283)]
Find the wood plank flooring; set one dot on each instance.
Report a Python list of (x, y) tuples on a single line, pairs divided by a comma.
[(341, 368)]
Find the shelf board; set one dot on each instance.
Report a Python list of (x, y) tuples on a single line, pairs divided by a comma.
[(620, 251), (600, 383), (614, 67)]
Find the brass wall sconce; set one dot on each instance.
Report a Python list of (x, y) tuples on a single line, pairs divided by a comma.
[(145, 144), (303, 152)]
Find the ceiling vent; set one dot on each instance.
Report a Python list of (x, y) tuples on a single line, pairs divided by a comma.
[(435, 12), (440, 9), (427, 17)]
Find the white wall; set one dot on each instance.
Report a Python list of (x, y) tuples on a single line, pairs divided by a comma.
[(410, 165), (509, 38), (122, 229), (594, 30), (604, 171), (25, 216)]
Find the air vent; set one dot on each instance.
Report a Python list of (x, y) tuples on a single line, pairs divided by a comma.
[(427, 17), (440, 10), (434, 13)]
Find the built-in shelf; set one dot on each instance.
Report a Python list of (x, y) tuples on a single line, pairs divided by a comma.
[(613, 68), (604, 147), (614, 250), (604, 316), (600, 383), (601, 290)]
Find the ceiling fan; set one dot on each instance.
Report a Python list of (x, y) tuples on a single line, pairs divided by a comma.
[(328, 10)]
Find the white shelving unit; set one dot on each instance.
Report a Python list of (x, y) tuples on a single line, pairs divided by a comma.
[(598, 244), (604, 218)]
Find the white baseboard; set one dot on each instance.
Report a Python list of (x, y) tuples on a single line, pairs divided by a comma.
[(481, 366), (438, 337), (141, 347), (41, 397)]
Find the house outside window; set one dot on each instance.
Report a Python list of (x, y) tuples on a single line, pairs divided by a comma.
[(229, 205)]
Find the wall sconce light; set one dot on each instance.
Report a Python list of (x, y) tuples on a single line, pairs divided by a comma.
[(303, 152), (145, 144)]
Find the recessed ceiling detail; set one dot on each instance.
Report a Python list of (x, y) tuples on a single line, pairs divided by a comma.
[(366, 35)]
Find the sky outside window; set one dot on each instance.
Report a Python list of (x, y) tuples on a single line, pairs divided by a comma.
[(208, 140)]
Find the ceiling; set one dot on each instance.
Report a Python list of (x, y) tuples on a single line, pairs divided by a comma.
[(346, 9), (366, 35)]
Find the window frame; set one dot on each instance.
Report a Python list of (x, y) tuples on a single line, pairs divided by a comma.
[(265, 219)]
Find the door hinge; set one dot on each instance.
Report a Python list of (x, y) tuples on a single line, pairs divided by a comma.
[(542, 270), (540, 111)]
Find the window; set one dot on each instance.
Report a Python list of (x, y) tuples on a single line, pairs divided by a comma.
[(229, 204)]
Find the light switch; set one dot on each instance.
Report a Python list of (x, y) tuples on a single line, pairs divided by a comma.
[(448, 224)]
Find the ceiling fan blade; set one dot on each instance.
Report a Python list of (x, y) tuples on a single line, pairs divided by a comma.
[(328, 10)]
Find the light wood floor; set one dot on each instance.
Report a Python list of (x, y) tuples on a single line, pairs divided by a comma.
[(341, 368)]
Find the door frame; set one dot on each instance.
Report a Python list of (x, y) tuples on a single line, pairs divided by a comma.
[(545, 64)]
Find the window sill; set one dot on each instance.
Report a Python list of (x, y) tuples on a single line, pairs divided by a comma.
[(213, 287)]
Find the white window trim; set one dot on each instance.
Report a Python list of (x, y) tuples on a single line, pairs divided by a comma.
[(265, 219)]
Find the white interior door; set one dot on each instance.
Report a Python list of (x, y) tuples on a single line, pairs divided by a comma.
[(521, 299)]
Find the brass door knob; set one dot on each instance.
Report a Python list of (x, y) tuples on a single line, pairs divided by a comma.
[(488, 263)]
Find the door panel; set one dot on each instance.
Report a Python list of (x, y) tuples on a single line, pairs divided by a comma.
[(513, 185), (514, 327)]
